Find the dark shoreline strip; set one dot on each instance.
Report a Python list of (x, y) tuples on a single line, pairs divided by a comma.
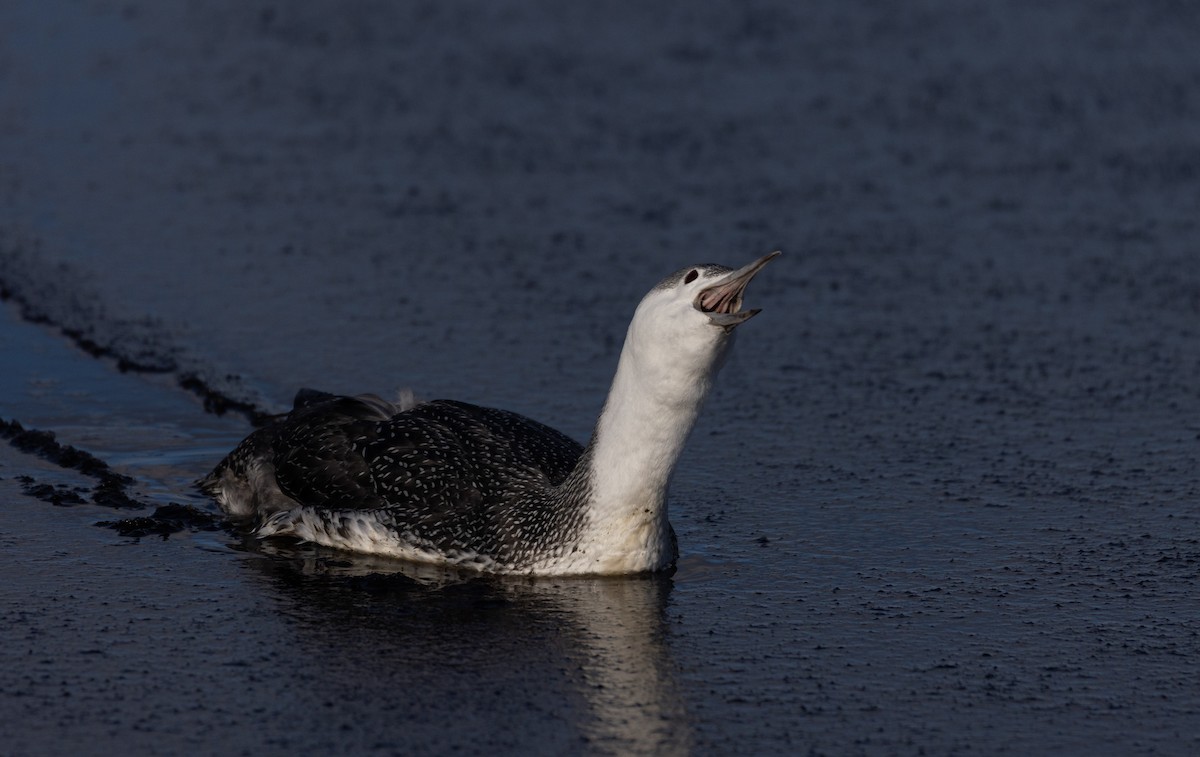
[(109, 490), (110, 485), (214, 401), (219, 404)]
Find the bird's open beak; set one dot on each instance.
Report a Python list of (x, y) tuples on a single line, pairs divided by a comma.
[(722, 301)]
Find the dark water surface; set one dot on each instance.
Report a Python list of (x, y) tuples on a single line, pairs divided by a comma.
[(945, 498)]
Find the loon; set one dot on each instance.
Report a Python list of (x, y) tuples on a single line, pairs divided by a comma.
[(454, 484)]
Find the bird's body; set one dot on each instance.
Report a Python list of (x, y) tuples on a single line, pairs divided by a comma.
[(453, 483)]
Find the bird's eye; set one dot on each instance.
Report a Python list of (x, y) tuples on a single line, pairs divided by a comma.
[(691, 276)]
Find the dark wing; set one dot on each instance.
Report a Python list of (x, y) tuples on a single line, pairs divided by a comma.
[(313, 451), (309, 443), (447, 472), (439, 461)]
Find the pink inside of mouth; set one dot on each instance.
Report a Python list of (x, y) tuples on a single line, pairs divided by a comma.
[(721, 300)]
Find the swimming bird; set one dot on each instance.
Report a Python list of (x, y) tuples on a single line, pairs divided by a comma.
[(452, 483)]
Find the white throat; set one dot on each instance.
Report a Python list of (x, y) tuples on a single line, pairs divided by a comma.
[(650, 411)]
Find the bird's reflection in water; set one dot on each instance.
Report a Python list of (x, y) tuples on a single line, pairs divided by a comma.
[(551, 664)]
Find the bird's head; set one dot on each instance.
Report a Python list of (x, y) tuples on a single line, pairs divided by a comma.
[(687, 321)]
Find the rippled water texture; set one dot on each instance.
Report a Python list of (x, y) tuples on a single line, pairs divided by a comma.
[(944, 498)]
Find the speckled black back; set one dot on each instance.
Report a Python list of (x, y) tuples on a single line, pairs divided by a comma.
[(456, 475)]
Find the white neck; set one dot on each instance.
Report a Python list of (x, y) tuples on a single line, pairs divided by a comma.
[(650, 411)]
